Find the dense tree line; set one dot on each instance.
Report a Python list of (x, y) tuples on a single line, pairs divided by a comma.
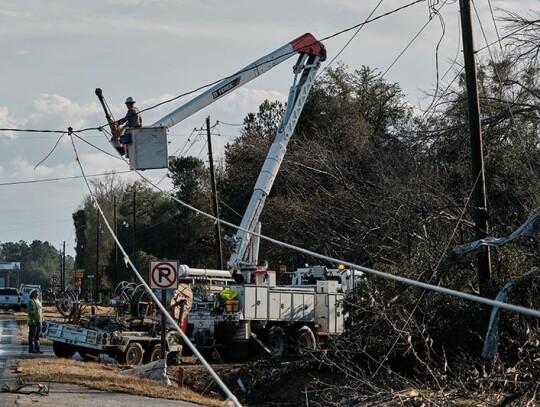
[(39, 261)]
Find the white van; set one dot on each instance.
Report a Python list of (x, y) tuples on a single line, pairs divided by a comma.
[(25, 291)]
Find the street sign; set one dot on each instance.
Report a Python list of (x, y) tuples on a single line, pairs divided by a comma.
[(54, 279), (90, 276), (163, 274), (75, 275)]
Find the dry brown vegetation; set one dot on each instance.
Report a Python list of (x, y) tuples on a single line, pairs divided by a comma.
[(105, 377)]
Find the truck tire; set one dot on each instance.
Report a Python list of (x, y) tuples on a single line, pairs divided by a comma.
[(133, 355), (276, 340), (152, 354), (63, 350), (305, 339), (89, 354)]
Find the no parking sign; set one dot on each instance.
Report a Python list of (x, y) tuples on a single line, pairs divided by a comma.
[(163, 274)]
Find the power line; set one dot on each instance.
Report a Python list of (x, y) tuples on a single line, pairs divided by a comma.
[(35, 225), (350, 39), (127, 260), (2, 184)]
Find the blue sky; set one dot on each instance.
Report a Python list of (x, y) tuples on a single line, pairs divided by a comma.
[(55, 53)]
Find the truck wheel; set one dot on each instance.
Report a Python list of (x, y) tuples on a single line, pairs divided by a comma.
[(277, 342), (63, 350), (89, 354), (133, 354), (305, 339), (153, 354)]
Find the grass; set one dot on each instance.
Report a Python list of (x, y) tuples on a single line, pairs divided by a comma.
[(94, 375), (104, 377)]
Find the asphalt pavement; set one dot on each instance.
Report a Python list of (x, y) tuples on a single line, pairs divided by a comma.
[(59, 394)]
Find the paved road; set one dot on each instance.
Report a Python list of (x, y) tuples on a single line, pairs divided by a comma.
[(60, 395)]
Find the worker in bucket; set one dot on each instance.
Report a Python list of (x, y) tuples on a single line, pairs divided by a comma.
[(181, 302), (132, 119), (34, 319)]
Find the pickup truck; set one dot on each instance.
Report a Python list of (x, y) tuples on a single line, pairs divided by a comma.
[(10, 298)]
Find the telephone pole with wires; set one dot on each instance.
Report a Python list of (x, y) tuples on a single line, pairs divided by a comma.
[(219, 249), (481, 213)]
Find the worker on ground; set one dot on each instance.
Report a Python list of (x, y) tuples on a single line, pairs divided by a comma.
[(181, 302), (132, 120), (34, 319)]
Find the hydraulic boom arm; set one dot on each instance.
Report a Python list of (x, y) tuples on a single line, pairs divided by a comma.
[(305, 72), (311, 53), (305, 44)]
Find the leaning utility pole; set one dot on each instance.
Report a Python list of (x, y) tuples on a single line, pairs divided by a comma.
[(481, 215), (219, 250)]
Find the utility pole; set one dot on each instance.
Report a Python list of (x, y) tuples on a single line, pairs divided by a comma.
[(63, 259), (134, 227), (481, 215), (62, 276), (115, 277), (96, 278), (219, 250)]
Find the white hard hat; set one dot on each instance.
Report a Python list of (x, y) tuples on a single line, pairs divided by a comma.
[(130, 100)]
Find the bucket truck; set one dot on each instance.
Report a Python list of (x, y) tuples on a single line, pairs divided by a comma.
[(251, 307)]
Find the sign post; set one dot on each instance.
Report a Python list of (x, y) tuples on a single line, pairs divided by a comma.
[(163, 275)]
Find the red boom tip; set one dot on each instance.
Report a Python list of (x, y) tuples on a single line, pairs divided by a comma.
[(308, 44)]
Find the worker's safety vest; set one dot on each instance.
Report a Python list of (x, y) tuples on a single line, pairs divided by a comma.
[(34, 312)]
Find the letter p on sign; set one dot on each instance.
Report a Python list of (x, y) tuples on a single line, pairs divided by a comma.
[(163, 274)]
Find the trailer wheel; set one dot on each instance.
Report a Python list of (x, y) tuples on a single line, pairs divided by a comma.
[(89, 354), (276, 339), (133, 354), (305, 339), (63, 350), (153, 354)]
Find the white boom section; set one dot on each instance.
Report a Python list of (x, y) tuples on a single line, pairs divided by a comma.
[(303, 44), (186, 271), (305, 72)]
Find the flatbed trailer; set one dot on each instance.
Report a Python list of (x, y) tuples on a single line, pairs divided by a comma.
[(132, 347)]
